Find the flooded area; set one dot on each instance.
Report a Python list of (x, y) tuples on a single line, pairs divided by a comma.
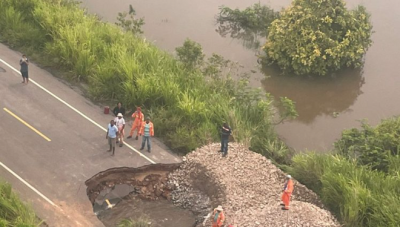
[(326, 106), (142, 193), (161, 213)]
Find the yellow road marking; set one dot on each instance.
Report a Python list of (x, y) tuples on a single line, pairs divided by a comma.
[(26, 124), (77, 111)]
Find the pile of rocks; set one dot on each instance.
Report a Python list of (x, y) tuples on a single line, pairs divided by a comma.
[(247, 185)]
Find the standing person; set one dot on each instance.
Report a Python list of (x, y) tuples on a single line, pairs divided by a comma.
[(287, 192), (218, 217), (147, 130), (137, 123), (24, 62), (112, 133), (119, 109), (120, 122), (225, 133)]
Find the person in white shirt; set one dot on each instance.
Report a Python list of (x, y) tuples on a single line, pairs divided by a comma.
[(120, 123)]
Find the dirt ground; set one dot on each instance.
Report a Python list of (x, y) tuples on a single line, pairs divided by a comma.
[(246, 184)]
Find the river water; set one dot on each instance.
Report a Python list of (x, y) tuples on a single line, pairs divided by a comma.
[(326, 106)]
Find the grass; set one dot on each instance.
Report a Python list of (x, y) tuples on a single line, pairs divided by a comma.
[(186, 105), (358, 195), (13, 212)]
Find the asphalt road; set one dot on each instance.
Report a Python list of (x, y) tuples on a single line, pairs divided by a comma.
[(51, 174)]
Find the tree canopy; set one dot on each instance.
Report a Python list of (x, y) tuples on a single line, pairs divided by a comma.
[(316, 37)]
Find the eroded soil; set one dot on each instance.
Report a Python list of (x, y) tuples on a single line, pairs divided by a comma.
[(139, 192)]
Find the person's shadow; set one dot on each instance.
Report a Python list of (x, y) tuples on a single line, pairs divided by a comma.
[(329, 95)]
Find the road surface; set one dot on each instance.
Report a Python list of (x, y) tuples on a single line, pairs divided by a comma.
[(53, 140)]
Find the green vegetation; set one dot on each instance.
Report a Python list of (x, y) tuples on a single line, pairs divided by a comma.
[(361, 184), (255, 18), (186, 104), (13, 212), (190, 54), (129, 23), (375, 147), (189, 97), (249, 24), (318, 37), (357, 195)]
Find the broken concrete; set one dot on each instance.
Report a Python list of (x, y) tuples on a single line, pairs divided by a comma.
[(245, 183)]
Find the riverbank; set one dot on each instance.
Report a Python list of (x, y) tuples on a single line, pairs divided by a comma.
[(326, 106), (186, 105)]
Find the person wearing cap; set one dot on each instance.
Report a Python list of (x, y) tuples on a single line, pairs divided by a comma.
[(218, 217), (120, 123), (137, 123), (287, 192), (146, 130)]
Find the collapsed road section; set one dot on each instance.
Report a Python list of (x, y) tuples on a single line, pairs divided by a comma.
[(137, 193), (246, 184)]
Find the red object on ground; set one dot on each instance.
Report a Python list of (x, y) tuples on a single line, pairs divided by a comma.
[(106, 110)]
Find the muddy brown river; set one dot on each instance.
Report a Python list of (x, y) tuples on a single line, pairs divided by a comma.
[(326, 106)]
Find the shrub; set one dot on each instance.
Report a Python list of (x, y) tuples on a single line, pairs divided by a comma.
[(187, 99), (372, 146), (130, 24), (13, 212), (190, 54), (249, 24), (357, 195), (318, 37)]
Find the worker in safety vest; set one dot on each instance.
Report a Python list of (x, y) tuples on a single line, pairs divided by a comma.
[(137, 123), (287, 192), (218, 217)]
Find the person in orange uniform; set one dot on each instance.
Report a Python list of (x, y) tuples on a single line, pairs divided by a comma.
[(218, 217), (137, 123), (147, 131), (287, 192)]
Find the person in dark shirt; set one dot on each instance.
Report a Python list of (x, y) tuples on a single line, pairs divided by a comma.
[(24, 62), (225, 133), (119, 109)]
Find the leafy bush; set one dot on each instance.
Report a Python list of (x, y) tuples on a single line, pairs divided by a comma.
[(372, 146), (357, 195), (13, 212), (130, 24), (318, 37), (187, 104), (249, 24), (190, 54)]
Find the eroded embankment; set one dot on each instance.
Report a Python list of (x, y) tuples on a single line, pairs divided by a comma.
[(148, 182), (147, 191), (245, 183)]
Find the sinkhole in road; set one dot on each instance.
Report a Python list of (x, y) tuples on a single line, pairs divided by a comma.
[(136, 193)]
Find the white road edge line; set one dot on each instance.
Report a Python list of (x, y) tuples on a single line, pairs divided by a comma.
[(27, 184), (74, 109)]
